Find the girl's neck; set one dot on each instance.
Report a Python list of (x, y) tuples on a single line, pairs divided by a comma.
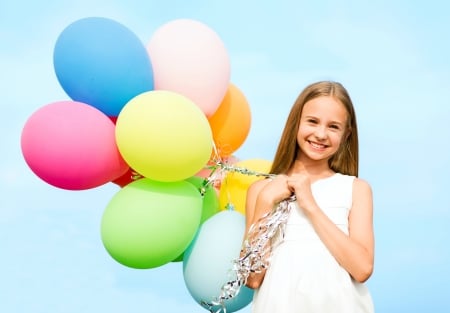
[(314, 169)]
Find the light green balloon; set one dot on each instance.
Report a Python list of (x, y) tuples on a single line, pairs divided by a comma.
[(149, 223), (210, 198), (210, 203)]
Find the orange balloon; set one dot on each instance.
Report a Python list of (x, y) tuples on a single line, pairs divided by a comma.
[(230, 124)]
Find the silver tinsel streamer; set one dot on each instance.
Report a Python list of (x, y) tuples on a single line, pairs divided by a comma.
[(218, 169), (263, 236)]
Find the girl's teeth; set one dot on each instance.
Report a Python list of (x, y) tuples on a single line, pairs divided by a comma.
[(317, 146)]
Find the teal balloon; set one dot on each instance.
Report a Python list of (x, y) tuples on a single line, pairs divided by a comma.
[(149, 223), (101, 62), (208, 260)]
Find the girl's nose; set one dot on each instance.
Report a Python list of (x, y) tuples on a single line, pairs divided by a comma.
[(320, 133)]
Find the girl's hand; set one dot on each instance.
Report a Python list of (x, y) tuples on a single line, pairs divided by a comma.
[(276, 189), (300, 184), (271, 192)]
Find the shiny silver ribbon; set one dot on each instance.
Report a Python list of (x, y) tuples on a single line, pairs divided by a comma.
[(218, 170)]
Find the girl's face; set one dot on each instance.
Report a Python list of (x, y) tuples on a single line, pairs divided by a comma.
[(323, 126)]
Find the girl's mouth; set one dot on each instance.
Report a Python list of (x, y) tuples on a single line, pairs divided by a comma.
[(317, 146)]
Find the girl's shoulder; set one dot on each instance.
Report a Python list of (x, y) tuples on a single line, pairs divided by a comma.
[(361, 185), (356, 180), (258, 184), (358, 184)]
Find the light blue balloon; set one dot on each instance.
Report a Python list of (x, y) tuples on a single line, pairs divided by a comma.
[(207, 261), (100, 62)]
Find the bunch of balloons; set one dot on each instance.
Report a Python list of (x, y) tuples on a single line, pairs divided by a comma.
[(151, 119)]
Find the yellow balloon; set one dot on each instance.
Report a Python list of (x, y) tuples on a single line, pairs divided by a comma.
[(233, 190), (164, 136)]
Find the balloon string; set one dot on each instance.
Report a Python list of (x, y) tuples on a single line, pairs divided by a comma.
[(219, 167)]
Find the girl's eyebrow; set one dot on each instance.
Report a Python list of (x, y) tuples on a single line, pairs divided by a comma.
[(332, 122)]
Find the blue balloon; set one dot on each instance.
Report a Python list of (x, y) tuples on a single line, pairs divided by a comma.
[(207, 261), (100, 62)]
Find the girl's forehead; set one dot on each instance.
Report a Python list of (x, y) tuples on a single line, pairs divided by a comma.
[(325, 107)]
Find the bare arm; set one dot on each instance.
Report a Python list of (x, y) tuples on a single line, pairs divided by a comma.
[(354, 252), (262, 196)]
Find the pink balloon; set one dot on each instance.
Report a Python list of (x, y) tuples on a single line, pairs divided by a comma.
[(71, 145), (189, 58)]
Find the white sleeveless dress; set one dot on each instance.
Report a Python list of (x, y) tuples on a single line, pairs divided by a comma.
[(303, 276)]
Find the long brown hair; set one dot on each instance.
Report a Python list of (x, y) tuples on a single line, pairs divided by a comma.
[(345, 160)]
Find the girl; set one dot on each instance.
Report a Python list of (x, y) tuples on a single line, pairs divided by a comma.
[(327, 252)]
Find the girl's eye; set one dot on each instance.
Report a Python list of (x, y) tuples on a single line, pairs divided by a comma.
[(312, 121), (334, 126)]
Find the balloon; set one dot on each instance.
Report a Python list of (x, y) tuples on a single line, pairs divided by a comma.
[(210, 198), (208, 259), (210, 202), (100, 62), (126, 178), (233, 190), (71, 145), (164, 136), (189, 58), (148, 223), (230, 124)]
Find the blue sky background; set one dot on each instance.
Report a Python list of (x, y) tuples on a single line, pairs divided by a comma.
[(393, 57)]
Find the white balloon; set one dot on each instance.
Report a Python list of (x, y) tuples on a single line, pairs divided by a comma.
[(189, 58)]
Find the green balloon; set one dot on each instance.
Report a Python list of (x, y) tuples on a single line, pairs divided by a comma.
[(149, 223), (210, 198), (210, 203)]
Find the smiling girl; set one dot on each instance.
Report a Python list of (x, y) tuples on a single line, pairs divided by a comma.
[(327, 252)]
